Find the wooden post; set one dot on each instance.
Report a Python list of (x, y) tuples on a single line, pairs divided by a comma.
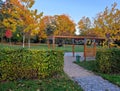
[(73, 47), (48, 43), (94, 48), (84, 49), (53, 42), (84, 52), (73, 51)]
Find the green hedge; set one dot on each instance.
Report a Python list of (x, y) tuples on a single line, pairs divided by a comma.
[(28, 64), (108, 60)]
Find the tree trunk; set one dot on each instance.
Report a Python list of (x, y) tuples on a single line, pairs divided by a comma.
[(29, 41), (2, 37), (23, 40), (10, 41)]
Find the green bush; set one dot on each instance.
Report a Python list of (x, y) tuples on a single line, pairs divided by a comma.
[(28, 64), (108, 60)]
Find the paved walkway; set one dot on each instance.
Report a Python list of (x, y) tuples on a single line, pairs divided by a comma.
[(86, 79)]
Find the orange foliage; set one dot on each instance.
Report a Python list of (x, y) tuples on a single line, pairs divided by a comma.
[(57, 25), (64, 25)]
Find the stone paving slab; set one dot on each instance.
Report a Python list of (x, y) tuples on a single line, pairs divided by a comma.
[(95, 83), (86, 79), (73, 70)]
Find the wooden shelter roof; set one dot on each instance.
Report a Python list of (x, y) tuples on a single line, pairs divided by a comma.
[(77, 37)]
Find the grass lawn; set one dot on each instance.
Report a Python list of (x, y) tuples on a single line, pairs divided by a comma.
[(114, 78), (91, 65), (66, 48), (60, 83)]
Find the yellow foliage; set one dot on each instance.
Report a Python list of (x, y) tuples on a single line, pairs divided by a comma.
[(113, 45), (108, 22)]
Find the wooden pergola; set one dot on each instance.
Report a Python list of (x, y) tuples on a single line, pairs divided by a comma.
[(88, 52)]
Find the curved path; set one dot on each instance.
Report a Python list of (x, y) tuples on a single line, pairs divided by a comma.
[(86, 79)]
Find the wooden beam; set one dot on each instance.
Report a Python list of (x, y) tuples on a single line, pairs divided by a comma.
[(48, 43), (53, 39), (73, 49), (84, 49), (77, 37)]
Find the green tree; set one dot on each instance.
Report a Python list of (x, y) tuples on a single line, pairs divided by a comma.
[(17, 36), (84, 25), (47, 26)]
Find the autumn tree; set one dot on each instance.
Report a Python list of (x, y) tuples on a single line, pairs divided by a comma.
[(47, 26), (25, 17), (3, 15), (57, 25), (1, 19), (108, 23), (8, 20), (64, 25), (105, 24), (8, 35), (84, 25)]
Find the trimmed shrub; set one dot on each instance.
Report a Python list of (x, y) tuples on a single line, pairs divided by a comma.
[(28, 64), (108, 60)]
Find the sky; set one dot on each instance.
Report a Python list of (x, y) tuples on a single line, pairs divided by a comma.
[(76, 9)]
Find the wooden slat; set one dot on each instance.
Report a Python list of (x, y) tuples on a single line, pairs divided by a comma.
[(90, 52)]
